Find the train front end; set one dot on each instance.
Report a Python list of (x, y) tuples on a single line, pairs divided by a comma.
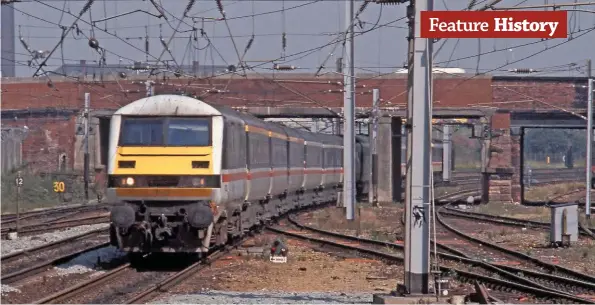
[(164, 175)]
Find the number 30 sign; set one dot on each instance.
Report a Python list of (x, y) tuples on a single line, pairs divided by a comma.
[(59, 187)]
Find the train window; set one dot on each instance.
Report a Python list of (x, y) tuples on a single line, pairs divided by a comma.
[(279, 153), (232, 153), (314, 156), (296, 155), (259, 151), (184, 132), (327, 158), (141, 131)]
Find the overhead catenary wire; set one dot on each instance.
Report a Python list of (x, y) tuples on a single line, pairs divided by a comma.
[(188, 8), (222, 12), (288, 58), (82, 12), (344, 33), (302, 54)]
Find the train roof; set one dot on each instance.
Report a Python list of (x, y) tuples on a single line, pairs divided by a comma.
[(292, 132), (179, 105), (247, 118), (168, 104)]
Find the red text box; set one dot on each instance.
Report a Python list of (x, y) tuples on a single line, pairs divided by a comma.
[(494, 24)]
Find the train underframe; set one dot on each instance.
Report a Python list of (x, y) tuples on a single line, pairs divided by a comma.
[(194, 227)]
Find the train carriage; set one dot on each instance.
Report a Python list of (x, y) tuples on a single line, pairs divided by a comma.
[(184, 173), (296, 157), (332, 162)]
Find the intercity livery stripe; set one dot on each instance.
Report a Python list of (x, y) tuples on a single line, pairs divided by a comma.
[(265, 132), (297, 140), (271, 134), (163, 192), (268, 174)]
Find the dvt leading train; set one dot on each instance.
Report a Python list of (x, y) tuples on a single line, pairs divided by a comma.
[(185, 174)]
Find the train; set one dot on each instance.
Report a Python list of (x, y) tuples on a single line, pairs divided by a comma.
[(185, 175)]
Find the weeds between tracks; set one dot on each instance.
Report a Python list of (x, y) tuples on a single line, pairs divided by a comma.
[(518, 284)]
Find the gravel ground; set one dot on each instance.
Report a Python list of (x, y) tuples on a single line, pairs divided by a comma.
[(266, 297), (87, 262), (28, 242), (5, 289)]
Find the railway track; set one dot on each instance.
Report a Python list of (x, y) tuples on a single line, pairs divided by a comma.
[(161, 281), (539, 178), (70, 211), (55, 225), (110, 289), (516, 254), (50, 246), (365, 247), (558, 284), (538, 272), (125, 284), (34, 263), (503, 220)]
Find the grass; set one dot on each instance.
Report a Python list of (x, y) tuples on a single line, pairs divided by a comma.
[(516, 211), (548, 192), (467, 165), (543, 164), (542, 214)]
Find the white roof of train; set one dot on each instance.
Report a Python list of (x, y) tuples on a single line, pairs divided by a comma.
[(168, 104)]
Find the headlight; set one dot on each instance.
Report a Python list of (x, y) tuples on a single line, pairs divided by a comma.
[(198, 182), (129, 181)]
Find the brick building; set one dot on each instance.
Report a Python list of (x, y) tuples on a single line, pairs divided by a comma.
[(52, 113)]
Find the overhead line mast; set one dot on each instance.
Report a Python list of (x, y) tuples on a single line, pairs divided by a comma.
[(418, 128), (349, 117)]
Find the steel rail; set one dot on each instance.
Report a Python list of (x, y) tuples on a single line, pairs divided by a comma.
[(73, 291), (41, 267), (536, 261), (63, 224), (543, 293), (16, 255), (11, 217), (510, 272), (509, 221)]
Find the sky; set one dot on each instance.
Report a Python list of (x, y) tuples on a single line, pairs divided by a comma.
[(309, 25)]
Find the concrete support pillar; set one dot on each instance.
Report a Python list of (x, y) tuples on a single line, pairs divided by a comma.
[(516, 139), (389, 159), (446, 152), (485, 173)]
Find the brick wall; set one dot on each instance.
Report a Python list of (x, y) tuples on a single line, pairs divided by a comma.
[(500, 149), (514, 93), (46, 139), (500, 187), (449, 92), (51, 136)]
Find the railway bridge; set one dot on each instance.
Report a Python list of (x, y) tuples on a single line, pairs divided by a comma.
[(507, 104)]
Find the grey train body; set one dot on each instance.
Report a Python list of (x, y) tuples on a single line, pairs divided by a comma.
[(260, 178)]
